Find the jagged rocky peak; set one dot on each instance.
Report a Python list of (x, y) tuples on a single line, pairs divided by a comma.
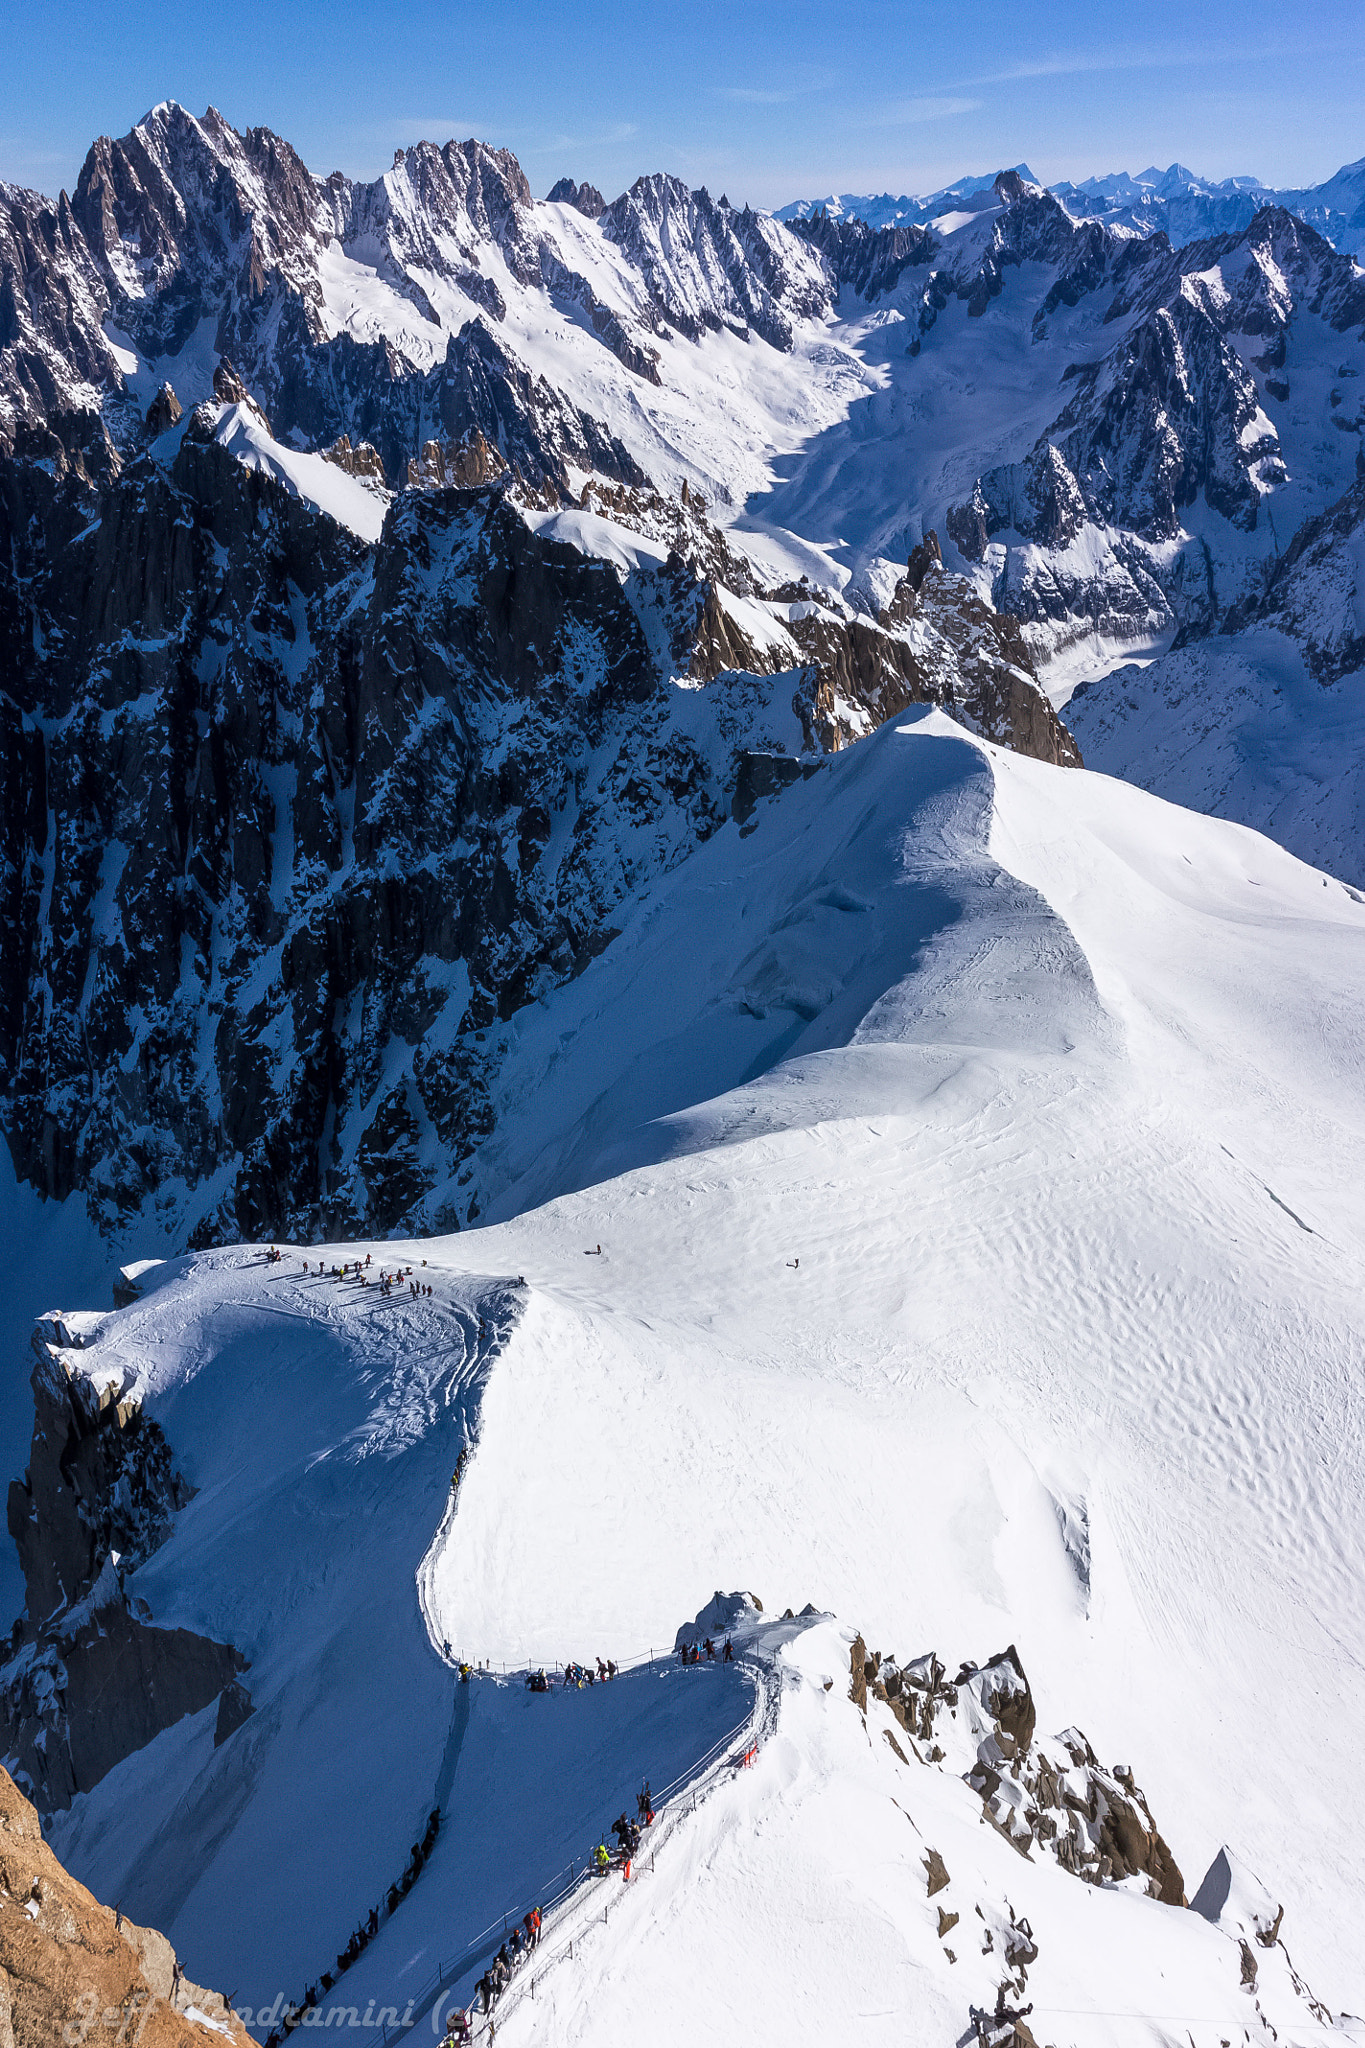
[(191, 204), (439, 206), (706, 266), (228, 387), (164, 412), (585, 198)]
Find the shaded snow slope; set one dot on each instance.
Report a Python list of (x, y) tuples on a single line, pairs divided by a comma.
[(984, 1269), (318, 482), (1239, 728)]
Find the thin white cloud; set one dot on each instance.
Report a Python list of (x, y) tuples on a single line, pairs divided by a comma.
[(601, 138), (750, 96), (908, 113), (1160, 58)]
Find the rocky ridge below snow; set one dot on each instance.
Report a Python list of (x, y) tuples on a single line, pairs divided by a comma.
[(297, 823), (1049, 1796), (87, 1679)]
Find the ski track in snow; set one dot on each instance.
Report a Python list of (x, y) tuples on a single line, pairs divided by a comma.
[(1069, 1149)]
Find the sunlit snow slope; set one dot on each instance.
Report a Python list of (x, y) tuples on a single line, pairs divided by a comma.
[(976, 1155)]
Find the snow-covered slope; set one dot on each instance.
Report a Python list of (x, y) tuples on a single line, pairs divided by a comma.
[(978, 1265), (1262, 720)]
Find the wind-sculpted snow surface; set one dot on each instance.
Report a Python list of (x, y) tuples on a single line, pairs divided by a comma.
[(977, 1264)]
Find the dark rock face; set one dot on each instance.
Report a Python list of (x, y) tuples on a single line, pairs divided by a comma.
[(585, 199), (277, 810), (100, 1494), (870, 261)]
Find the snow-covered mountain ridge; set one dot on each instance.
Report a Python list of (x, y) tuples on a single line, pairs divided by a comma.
[(1174, 202), (300, 823), (1103, 439), (1015, 1303)]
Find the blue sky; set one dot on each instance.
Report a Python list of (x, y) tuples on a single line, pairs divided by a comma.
[(762, 100)]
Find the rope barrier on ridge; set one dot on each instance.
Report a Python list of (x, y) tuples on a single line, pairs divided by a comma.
[(568, 1881), (578, 1881)]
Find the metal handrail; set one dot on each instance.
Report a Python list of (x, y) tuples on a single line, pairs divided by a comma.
[(457, 1965)]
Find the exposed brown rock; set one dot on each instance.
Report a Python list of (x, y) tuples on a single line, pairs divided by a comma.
[(228, 387), (939, 1879), (67, 1963), (857, 1691), (363, 460), (162, 414), (946, 1921)]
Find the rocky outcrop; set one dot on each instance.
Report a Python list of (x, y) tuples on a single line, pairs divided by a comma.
[(584, 199), (99, 1496), (936, 642), (363, 461), (1048, 1794), (163, 412), (69, 1965), (472, 462)]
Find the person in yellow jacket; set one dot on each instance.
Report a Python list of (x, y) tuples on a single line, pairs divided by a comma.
[(601, 1861)]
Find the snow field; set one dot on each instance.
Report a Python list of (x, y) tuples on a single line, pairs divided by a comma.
[(797, 1900), (975, 1155), (1081, 1260)]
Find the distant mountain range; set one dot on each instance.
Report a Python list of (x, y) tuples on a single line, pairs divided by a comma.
[(1175, 202)]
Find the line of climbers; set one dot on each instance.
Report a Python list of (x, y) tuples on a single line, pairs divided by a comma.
[(694, 1654), (519, 1945), (364, 1934)]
